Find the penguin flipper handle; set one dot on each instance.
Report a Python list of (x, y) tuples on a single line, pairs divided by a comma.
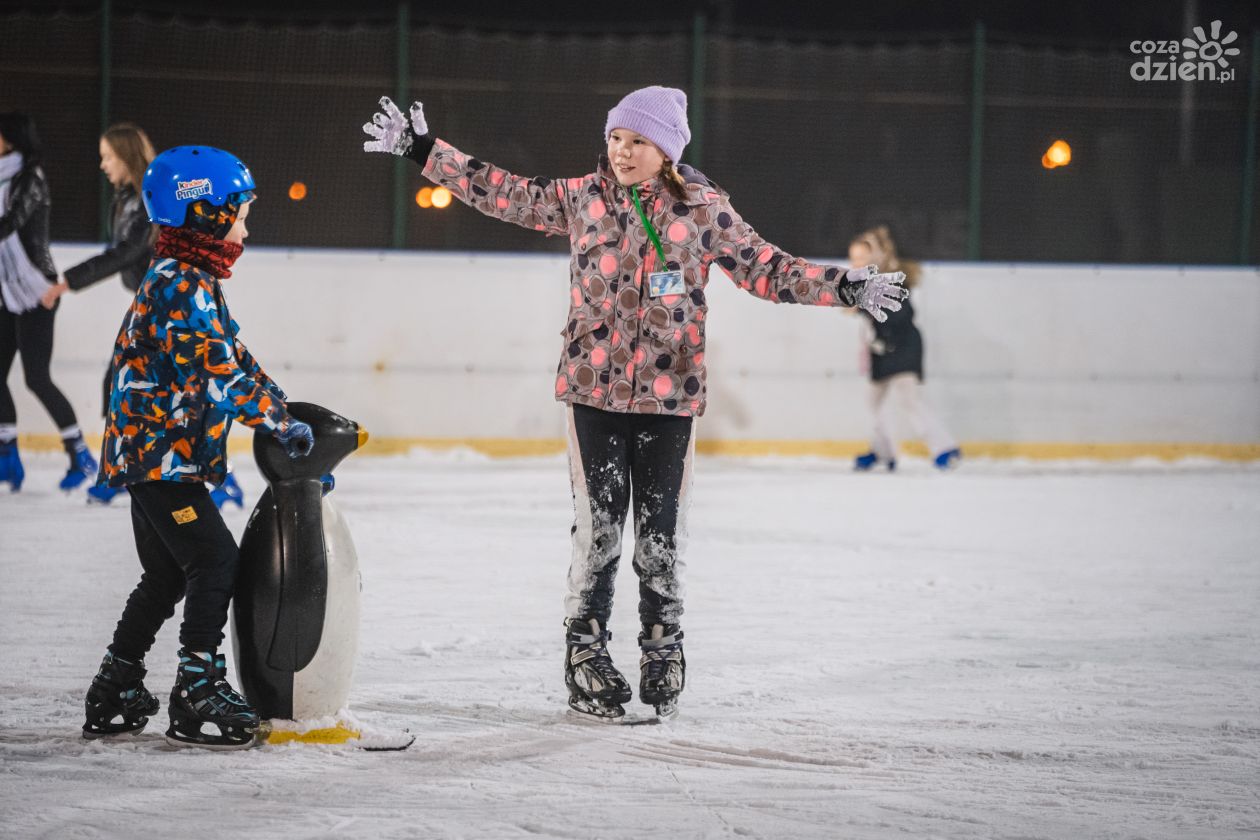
[(304, 588)]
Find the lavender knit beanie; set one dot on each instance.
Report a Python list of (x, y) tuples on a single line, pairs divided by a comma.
[(658, 113)]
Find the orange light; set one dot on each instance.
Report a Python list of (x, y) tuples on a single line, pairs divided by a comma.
[(297, 191), (425, 197), (441, 197), (1059, 154)]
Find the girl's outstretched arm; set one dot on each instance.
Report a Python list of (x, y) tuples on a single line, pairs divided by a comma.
[(766, 271), (535, 203)]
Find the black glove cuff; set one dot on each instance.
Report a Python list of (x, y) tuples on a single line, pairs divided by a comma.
[(849, 291), (421, 145)]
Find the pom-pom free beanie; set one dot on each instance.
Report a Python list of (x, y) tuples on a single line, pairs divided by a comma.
[(658, 113)]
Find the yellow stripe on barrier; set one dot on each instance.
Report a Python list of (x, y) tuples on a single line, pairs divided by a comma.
[(240, 446)]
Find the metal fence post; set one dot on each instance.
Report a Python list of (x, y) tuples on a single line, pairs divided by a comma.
[(104, 191), (696, 100), (1249, 154), (977, 140), (401, 92)]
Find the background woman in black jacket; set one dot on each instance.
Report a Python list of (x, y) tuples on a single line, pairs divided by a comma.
[(896, 366), (26, 271), (125, 154)]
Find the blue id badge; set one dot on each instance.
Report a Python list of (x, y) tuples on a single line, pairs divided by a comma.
[(662, 283)]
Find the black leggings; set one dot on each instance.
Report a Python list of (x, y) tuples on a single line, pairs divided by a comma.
[(614, 460), (31, 334), (185, 549)]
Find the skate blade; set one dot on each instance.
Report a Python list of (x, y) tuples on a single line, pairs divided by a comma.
[(667, 711), (217, 747), (590, 711), (126, 734), (588, 719)]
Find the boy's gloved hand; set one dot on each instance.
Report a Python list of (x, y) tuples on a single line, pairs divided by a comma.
[(296, 438), (393, 133), (867, 289)]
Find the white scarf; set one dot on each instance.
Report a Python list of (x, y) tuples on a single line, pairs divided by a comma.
[(21, 283)]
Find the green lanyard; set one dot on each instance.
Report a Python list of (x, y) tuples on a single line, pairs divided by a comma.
[(651, 231)]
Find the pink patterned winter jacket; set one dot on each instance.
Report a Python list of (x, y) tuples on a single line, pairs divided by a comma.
[(625, 351)]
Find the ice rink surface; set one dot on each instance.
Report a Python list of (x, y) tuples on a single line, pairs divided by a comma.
[(1010, 651)]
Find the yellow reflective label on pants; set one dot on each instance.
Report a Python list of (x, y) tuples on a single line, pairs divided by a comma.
[(185, 515)]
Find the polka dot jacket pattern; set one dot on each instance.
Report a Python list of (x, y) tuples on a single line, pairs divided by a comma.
[(625, 351)]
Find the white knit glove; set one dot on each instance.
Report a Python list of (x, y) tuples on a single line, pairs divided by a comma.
[(876, 292), (392, 131)]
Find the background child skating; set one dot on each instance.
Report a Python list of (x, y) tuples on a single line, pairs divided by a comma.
[(181, 376), (643, 232), (895, 365), (26, 328)]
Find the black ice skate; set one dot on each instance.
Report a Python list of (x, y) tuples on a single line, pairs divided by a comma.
[(662, 668), (117, 702), (205, 710), (596, 688)]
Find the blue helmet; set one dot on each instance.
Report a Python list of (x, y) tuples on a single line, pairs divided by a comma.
[(186, 174)]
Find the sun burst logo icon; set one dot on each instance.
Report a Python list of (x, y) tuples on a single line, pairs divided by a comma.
[(1210, 49)]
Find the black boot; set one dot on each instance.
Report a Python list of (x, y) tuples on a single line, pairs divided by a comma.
[(662, 668), (596, 687), (117, 702), (201, 696)]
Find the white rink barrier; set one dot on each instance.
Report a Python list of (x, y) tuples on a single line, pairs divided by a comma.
[(443, 348)]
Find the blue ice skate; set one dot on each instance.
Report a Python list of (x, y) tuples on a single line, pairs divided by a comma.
[(867, 462), (82, 467), (11, 466), (228, 491), (948, 459), (100, 494)]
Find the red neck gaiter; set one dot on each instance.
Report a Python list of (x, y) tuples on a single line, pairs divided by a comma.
[(200, 250)]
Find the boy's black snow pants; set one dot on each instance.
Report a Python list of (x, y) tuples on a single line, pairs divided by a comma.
[(186, 552)]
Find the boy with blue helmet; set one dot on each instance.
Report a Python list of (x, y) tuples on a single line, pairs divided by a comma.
[(180, 377)]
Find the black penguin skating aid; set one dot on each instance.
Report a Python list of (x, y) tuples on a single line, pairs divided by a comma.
[(596, 688), (117, 702)]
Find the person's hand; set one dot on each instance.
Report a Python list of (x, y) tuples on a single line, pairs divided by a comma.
[(393, 133), (876, 293), (56, 290), (296, 438)]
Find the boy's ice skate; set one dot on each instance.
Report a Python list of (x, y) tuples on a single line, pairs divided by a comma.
[(662, 668), (596, 688), (117, 702), (205, 710)]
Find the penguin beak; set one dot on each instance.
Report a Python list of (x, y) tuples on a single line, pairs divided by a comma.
[(363, 437)]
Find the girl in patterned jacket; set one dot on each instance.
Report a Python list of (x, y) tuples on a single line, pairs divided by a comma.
[(643, 232), (180, 377)]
